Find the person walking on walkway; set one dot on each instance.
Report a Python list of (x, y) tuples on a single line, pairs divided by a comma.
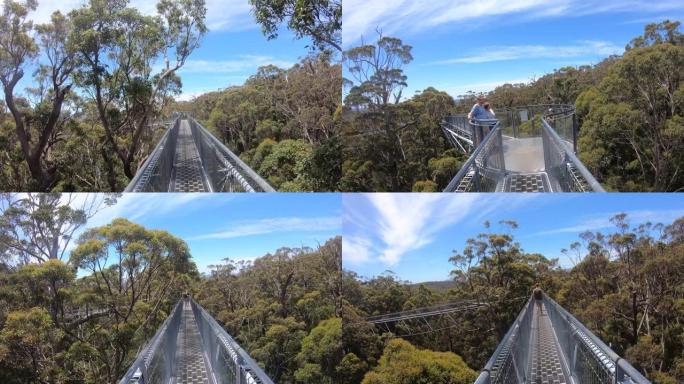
[(538, 295)]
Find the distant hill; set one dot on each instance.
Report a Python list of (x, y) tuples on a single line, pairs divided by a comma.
[(437, 285)]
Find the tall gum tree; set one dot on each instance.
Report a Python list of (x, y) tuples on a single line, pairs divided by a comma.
[(36, 127), (119, 50)]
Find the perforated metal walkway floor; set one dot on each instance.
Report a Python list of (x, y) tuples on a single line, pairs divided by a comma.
[(547, 366), (191, 364), (188, 174)]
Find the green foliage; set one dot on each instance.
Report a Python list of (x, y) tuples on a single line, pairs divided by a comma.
[(320, 20), (402, 363), (283, 308), (282, 123), (321, 353)]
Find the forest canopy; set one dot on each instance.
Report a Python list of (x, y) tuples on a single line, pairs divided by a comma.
[(103, 80), (79, 314), (630, 110), (626, 285)]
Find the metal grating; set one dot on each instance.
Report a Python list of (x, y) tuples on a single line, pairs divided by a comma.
[(188, 174), (190, 363), (545, 362), (527, 182)]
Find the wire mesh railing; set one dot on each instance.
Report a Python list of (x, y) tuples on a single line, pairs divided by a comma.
[(156, 172), (157, 362), (485, 170), (566, 172), (222, 170), (230, 363), (589, 359), (510, 361)]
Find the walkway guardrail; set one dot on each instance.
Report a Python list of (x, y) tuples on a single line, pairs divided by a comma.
[(510, 361), (231, 364), (223, 169), (156, 172), (589, 360), (155, 361), (485, 170), (566, 172)]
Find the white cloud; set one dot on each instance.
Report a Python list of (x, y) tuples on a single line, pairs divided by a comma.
[(601, 221), (273, 225), (222, 15), (242, 63), (362, 17), (356, 249), (504, 53), (385, 226)]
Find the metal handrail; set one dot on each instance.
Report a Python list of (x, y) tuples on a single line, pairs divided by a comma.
[(471, 165), (503, 355), (424, 312), (145, 172), (232, 163), (222, 348), (142, 370), (228, 361), (622, 371), (571, 158)]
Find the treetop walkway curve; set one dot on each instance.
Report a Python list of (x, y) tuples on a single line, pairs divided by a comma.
[(545, 345), (525, 149), (188, 158), (192, 348)]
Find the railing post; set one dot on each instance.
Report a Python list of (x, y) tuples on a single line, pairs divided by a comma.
[(575, 129)]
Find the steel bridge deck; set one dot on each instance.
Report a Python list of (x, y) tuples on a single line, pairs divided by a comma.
[(188, 173), (547, 365), (191, 363)]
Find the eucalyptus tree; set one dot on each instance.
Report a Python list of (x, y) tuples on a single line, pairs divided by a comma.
[(129, 63), (321, 20), (35, 228), (38, 126)]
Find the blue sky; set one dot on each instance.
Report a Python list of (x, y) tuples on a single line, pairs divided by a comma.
[(463, 45), (413, 235), (238, 226), (233, 49)]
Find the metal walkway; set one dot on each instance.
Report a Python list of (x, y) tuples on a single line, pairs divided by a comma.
[(192, 348), (188, 173), (527, 149), (547, 345), (192, 366), (546, 365), (188, 158)]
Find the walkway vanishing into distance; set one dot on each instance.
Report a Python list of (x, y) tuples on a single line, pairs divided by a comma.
[(545, 345), (192, 348), (189, 158), (526, 149)]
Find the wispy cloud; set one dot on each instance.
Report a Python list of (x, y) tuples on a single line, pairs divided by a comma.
[(383, 227), (274, 225), (242, 63), (515, 52), (362, 17), (222, 15), (601, 221)]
